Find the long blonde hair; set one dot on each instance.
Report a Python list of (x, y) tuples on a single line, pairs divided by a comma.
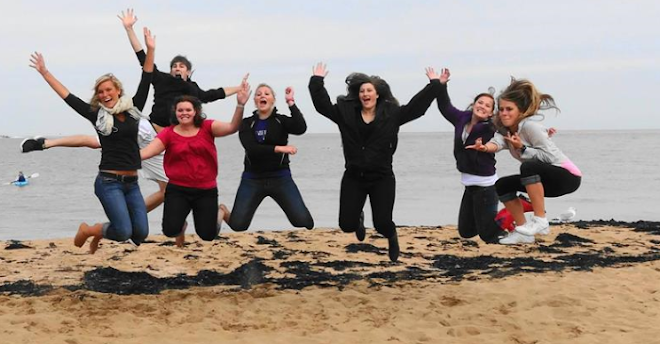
[(527, 98), (94, 102)]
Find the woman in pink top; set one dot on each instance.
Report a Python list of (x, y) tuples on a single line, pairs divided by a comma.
[(191, 164)]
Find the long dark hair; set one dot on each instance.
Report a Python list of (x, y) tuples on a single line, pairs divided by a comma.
[(197, 106), (355, 80)]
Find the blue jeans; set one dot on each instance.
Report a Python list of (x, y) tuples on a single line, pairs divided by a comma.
[(477, 213), (281, 189), (125, 208)]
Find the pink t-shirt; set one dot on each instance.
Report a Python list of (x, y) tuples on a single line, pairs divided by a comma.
[(191, 161)]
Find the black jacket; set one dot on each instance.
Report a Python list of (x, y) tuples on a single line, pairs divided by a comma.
[(373, 156), (261, 157), (167, 88)]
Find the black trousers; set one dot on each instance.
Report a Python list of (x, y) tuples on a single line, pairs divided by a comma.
[(556, 181), (180, 200), (354, 191), (477, 213)]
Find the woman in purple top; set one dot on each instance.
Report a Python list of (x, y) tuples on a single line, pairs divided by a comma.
[(479, 204)]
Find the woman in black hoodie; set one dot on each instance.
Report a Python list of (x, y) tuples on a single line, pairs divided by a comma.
[(369, 118), (265, 137)]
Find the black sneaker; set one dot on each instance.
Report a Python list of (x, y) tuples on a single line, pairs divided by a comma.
[(361, 232), (394, 247), (35, 144)]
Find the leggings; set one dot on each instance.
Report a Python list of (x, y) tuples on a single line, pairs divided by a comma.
[(353, 195), (180, 200), (556, 181)]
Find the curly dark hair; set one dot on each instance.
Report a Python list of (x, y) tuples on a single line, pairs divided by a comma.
[(197, 105), (355, 80)]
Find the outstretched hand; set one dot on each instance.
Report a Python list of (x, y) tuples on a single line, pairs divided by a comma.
[(128, 19), (478, 145), (288, 95), (149, 40), (37, 62), (430, 72), (320, 70), (445, 75), (244, 93)]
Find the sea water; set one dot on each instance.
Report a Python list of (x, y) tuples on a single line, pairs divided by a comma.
[(621, 181)]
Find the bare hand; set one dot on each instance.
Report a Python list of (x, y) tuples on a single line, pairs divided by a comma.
[(245, 79), (514, 140), (430, 72), (551, 132), (288, 95), (445, 75), (149, 40), (37, 62), (128, 19), (478, 145), (286, 149), (244, 93), (320, 70)]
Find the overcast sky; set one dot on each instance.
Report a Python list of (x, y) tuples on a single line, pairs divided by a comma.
[(600, 59)]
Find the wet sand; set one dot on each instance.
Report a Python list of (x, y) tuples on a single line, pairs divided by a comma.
[(586, 282)]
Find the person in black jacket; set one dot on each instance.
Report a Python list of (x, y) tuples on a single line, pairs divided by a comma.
[(169, 86), (369, 117), (265, 136)]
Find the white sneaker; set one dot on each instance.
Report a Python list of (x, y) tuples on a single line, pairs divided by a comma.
[(538, 225), (516, 237)]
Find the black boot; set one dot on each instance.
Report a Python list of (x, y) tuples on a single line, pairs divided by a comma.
[(394, 247), (361, 232)]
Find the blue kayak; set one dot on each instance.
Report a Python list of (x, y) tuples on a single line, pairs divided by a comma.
[(23, 183)]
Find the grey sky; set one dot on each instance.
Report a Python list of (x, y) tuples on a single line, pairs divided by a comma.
[(599, 59)]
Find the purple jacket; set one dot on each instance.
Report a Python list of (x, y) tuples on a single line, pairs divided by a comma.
[(468, 160)]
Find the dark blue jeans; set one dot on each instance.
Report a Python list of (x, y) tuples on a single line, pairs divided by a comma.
[(281, 189), (125, 208), (477, 213)]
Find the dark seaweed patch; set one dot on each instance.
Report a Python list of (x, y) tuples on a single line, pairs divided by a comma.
[(25, 288), (570, 240), (355, 248), (16, 245), (264, 241)]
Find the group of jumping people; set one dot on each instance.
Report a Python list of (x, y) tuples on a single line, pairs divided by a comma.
[(174, 146)]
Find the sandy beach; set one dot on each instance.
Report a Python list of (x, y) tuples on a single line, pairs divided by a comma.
[(586, 282)]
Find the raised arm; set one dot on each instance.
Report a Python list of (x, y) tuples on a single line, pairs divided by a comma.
[(39, 64), (154, 148), (150, 41), (445, 106), (231, 90), (222, 128), (295, 124), (128, 19), (320, 97), (422, 100)]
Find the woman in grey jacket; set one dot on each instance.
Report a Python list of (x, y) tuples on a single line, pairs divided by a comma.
[(545, 171)]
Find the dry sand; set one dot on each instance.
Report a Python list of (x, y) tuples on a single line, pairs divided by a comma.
[(583, 283)]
